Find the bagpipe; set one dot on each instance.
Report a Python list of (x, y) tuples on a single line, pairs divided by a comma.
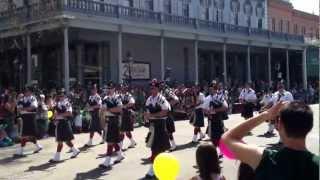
[(151, 109), (189, 100), (110, 103)]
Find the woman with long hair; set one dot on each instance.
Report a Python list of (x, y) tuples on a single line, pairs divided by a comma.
[(208, 163)]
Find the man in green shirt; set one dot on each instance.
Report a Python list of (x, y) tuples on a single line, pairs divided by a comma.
[(293, 161)]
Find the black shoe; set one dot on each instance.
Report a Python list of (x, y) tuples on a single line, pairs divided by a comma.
[(37, 151), (53, 161), (148, 176), (268, 134), (279, 143), (104, 167)]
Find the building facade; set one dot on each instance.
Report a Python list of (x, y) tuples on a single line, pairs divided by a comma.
[(284, 18), (57, 42)]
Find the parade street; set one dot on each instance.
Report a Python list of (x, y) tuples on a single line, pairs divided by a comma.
[(85, 166)]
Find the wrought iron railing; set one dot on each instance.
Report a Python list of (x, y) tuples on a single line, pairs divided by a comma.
[(46, 9)]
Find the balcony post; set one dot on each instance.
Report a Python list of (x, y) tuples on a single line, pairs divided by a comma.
[(66, 59), (304, 68), (287, 69), (29, 60)]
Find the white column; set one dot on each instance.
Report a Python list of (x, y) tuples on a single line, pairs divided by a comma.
[(248, 65), (66, 59), (80, 66), (29, 60), (269, 66), (162, 56), (120, 55), (304, 69), (287, 69), (196, 61), (225, 75)]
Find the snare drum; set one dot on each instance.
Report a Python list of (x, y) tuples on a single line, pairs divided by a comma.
[(237, 108)]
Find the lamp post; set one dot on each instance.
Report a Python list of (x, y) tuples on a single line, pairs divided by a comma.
[(130, 63)]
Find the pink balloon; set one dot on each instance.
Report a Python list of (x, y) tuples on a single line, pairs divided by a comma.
[(225, 150)]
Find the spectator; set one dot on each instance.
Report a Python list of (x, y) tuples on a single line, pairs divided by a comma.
[(245, 172), (208, 163), (291, 162)]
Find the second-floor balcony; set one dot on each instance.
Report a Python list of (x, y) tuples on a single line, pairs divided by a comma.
[(15, 17)]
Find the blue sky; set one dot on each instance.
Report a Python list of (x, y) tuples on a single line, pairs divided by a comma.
[(309, 6)]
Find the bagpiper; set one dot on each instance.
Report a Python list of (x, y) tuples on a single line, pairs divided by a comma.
[(214, 106), (281, 95), (62, 116), (27, 108), (173, 101), (248, 98), (157, 109), (197, 118), (94, 104), (112, 105), (266, 103), (127, 116)]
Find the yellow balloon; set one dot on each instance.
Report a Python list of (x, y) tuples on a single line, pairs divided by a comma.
[(50, 114), (166, 167)]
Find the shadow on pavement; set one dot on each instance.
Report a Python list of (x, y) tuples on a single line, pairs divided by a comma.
[(186, 146), (43, 167), (86, 148), (12, 159), (267, 136), (92, 174)]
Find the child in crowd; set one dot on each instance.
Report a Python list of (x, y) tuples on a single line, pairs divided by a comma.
[(208, 163)]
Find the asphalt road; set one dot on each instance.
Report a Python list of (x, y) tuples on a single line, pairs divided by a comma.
[(36, 166)]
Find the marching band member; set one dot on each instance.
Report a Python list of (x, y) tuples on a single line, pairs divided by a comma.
[(197, 119), (173, 101), (94, 104), (62, 114), (127, 117), (267, 102), (27, 107), (113, 106), (248, 98), (214, 106), (281, 95), (157, 113)]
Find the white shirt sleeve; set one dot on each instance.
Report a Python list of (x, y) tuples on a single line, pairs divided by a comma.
[(289, 96), (148, 102), (69, 107), (99, 101), (34, 102), (241, 94), (165, 105), (119, 102), (206, 103), (131, 100)]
